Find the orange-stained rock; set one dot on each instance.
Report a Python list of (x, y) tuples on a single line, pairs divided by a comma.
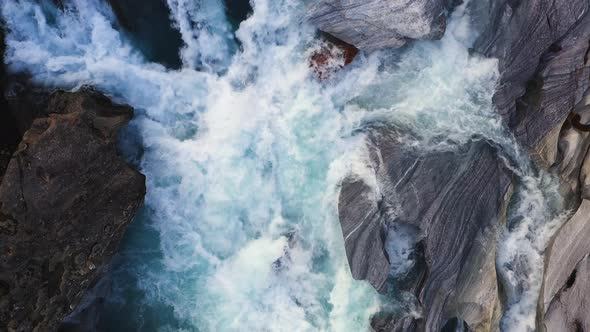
[(332, 55)]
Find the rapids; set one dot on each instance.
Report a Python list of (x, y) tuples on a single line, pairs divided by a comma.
[(244, 148)]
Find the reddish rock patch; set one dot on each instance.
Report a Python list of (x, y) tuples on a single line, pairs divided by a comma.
[(332, 55)]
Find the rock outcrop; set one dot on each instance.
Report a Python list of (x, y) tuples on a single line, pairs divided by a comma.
[(542, 50), (371, 25), (569, 311), (65, 201), (543, 95), (454, 199)]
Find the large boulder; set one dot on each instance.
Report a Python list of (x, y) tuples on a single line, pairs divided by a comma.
[(371, 25), (454, 199), (543, 94), (65, 201), (542, 56)]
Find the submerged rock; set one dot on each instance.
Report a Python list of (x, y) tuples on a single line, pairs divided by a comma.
[(65, 201), (371, 25)]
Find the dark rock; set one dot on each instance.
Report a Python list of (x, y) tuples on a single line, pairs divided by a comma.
[(65, 201), (371, 25), (543, 94), (9, 135), (456, 199)]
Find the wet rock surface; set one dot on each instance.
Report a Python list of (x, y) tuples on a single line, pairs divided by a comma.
[(542, 50), (543, 96), (542, 47), (454, 192), (65, 201), (371, 25)]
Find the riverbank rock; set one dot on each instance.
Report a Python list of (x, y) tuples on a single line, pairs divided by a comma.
[(569, 311), (455, 200), (542, 50), (65, 201), (370, 25), (543, 95), (330, 56)]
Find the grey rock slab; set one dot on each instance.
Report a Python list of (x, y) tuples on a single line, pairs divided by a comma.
[(371, 25)]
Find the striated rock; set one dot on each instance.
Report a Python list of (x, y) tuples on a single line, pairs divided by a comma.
[(331, 55), (568, 249), (542, 50), (360, 219), (455, 199), (371, 25), (65, 201)]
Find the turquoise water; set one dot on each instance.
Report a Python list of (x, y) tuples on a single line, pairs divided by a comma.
[(244, 150)]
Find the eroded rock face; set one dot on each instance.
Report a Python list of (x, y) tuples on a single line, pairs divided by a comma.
[(543, 96), (371, 25), (569, 248), (569, 311), (455, 199), (65, 201), (542, 50)]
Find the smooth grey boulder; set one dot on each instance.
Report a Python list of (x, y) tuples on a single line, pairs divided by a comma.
[(371, 25), (455, 199)]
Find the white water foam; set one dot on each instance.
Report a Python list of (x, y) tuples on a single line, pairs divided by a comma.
[(244, 157), (240, 181)]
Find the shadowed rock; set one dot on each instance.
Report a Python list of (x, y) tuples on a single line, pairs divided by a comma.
[(455, 199), (371, 25), (65, 201)]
